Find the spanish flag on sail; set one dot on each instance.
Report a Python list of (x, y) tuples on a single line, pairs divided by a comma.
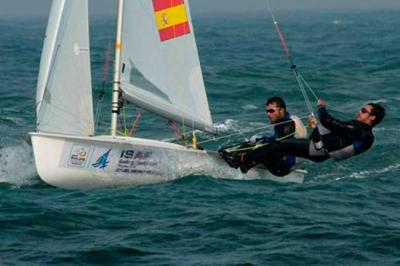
[(171, 18)]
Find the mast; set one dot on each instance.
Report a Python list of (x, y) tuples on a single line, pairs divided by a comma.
[(117, 72)]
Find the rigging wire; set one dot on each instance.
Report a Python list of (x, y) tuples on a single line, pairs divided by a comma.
[(302, 83), (309, 87), (100, 101), (178, 132), (123, 120), (248, 131), (300, 80), (304, 93), (135, 124)]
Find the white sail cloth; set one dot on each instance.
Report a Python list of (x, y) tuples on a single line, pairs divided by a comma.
[(64, 91), (160, 66)]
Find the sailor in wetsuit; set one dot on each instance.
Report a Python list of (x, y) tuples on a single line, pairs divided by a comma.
[(331, 139), (286, 127), (275, 109)]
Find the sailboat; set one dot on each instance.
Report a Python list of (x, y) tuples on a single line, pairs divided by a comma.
[(157, 68)]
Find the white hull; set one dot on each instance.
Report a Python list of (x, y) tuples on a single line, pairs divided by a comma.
[(106, 161)]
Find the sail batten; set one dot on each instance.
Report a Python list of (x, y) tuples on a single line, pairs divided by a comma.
[(160, 65)]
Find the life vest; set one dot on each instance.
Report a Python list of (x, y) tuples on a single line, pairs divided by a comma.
[(301, 130)]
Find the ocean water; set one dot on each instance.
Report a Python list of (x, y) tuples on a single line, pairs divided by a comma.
[(345, 213)]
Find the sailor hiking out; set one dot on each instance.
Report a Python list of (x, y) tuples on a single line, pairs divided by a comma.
[(286, 127), (333, 139)]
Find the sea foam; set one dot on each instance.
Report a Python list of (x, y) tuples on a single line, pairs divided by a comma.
[(17, 165)]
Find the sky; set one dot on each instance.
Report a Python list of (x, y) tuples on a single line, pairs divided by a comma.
[(18, 8)]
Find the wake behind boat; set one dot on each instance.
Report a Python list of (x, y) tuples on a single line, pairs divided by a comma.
[(156, 68)]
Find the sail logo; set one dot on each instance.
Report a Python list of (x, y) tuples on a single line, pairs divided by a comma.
[(138, 162), (171, 18), (78, 156), (102, 162)]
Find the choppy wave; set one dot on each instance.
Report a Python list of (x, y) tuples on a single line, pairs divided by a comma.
[(374, 173), (228, 125), (250, 107), (337, 213)]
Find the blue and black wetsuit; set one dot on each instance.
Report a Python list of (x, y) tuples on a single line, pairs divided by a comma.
[(284, 129), (341, 139)]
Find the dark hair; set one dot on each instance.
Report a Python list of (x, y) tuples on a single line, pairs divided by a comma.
[(378, 111), (278, 101)]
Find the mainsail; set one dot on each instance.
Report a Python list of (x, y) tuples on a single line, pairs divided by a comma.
[(160, 66), (64, 92)]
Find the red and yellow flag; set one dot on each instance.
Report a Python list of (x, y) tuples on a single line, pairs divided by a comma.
[(171, 18)]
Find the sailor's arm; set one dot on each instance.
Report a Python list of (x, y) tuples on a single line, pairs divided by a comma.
[(334, 125)]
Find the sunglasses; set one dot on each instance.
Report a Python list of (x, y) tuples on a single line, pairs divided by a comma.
[(270, 111), (365, 111)]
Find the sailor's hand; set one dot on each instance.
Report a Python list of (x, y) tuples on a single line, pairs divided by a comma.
[(312, 121), (321, 103), (254, 138)]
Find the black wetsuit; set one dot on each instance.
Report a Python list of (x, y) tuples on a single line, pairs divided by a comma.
[(279, 164), (344, 140), (283, 128)]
